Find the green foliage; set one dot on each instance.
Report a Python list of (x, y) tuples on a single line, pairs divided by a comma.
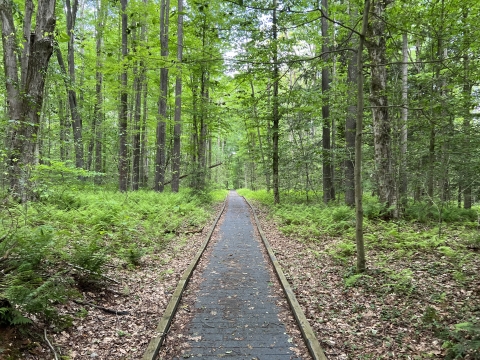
[(65, 240), (472, 240), (424, 212), (353, 279), (310, 222), (372, 208), (463, 340), (343, 251), (400, 281), (133, 254), (32, 284), (262, 196), (90, 257)]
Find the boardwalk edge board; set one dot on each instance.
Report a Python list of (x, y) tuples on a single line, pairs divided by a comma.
[(308, 334), (164, 324)]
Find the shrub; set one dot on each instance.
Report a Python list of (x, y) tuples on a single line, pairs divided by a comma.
[(463, 340), (89, 258)]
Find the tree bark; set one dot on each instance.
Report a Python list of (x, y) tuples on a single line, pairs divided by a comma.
[(71, 16), (25, 103), (350, 128), (123, 119), (137, 86), (467, 123), (260, 142), (177, 129), (144, 144), (378, 99), (98, 114), (361, 262), (404, 124), (162, 101), (275, 112), (328, 186)]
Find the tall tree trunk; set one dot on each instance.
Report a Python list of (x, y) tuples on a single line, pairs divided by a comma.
[(139, 79), (123, 119), (177, 129), (202, 141), (404, 124), (378, 98), (162, 101), (71, 16), (25, 103), (276, 114), (328, 187), (260, 142), (144, 144), (467, 106), (350, 128), (98, 108), (137, 86), (361, 262), (431, 163), (63, 130)]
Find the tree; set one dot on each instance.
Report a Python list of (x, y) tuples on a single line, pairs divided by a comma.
[(178, 102), (162, 101), (122, 117), (350, 128), (328, 185), (376, 46), (25, 95), (361, 263), (275, 108), (71, 15), (98, 114), (402, 190)]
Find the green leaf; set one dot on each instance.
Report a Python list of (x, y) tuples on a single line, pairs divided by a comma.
[(463, 326), (63, 37)]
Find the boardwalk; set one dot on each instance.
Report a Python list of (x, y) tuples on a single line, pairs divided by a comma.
[(235, 312)]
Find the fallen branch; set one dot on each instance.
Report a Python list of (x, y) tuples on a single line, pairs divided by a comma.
[(196, 231), (110, 311), (49, 344), (93, 272)]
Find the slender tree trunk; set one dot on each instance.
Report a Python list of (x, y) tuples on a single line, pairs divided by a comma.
[(467, 125), (328, 187), (98, 108), (144, 144), (75, 116), (162, 101), (361, 262), (262, 154), (431, 163), (350, 128), (63, 130), (404, 124), (178, 103), (202, 140), (71, 16), (276, 115), (378, 98), (123, 115), (136, 126)]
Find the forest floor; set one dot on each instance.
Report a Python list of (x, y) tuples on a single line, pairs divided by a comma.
[(398, 310), (402, 308)]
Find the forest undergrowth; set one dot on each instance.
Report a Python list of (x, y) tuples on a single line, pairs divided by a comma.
[(69, 241), (420, 296)]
